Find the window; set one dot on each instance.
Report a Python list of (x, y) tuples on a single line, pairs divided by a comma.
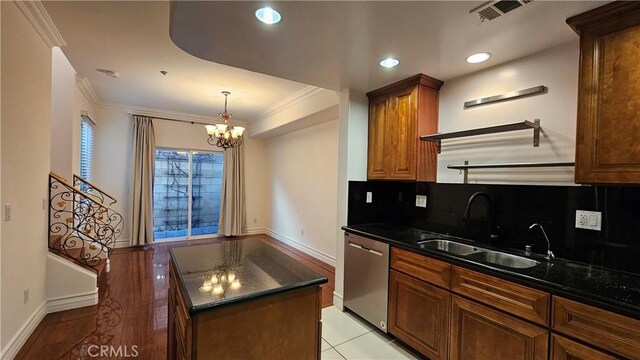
[(186, 193), (86, 148)]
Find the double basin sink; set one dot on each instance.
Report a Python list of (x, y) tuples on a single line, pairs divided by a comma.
[(480, 254)]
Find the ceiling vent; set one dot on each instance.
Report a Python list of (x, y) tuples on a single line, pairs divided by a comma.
[(494, 9)]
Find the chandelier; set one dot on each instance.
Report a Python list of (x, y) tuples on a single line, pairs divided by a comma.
[(225, 135)]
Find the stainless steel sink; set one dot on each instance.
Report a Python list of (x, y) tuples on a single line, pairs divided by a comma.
[(504, 259), (449, 246)]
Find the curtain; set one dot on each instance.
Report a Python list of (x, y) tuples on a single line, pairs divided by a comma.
[(144, 148), (233, 212)]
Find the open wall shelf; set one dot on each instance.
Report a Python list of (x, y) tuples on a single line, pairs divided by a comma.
[(524, 125)]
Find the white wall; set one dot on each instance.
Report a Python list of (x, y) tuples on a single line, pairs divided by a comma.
[(352, 165), (63, 82), (556, 69), (302, 186), (26, 120), (67, 104), (113, 149)]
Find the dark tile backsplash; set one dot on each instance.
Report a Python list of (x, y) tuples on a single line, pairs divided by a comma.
[(516, 207)]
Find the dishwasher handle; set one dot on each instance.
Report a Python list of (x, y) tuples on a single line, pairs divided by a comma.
[(358, 246)]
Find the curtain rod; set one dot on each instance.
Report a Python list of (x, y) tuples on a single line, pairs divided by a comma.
[(169, 119)]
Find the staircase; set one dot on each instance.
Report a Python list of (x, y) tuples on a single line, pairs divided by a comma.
[(82, 226)]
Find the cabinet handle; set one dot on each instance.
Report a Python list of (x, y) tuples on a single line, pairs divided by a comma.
[(357, 246)]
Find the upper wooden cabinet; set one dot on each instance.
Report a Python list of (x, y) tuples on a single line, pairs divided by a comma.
[(607, 146), (398, 114)]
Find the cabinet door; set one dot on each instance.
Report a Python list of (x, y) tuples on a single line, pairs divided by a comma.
[(378, 159), (481, 333), (607, 146), (419, 314), (402, 133), (565, 349)]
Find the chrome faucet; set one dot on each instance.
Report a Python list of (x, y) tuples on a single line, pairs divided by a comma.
[(490, 214), (549, 252)]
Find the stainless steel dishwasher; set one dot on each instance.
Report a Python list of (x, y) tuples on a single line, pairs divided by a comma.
[(366, 278)]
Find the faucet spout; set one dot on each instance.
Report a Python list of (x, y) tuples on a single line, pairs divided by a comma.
[(549, 252), (490, 213)]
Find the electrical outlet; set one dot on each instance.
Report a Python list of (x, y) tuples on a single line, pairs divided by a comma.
[(369, 197), (44, 204), (301, 232), (7, 212), (26, 296), (590, 220), (255, 220), (421, 201)]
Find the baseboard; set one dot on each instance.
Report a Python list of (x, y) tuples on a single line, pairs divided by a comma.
[(72, 302), (337, 301), (256, 231), (15, 344), (302, 247), (47, 307), (122, 243)]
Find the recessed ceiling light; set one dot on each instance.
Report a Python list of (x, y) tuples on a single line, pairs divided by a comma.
[(389, 62), (268, 16), (478, 58)]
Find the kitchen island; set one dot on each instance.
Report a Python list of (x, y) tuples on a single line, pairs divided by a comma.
[(242, 299)]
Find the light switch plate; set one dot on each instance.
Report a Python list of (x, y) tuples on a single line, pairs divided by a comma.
[(7, 212), (421, 201), (369, 197), (590, 220)]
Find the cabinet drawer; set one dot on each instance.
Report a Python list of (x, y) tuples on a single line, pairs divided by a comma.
[(430, 270), (515, 299), (609, 331), (565, 349)]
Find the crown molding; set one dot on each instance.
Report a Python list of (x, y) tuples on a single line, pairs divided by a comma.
[(151, 112), (39, 18), (290, 101), (87, 90)]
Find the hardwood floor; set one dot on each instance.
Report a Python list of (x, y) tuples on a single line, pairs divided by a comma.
[(132, 309)]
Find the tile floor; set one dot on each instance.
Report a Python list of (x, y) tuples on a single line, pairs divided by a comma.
[(345, 336)]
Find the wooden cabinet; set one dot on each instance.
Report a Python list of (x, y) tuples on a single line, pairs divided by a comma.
[(515, 299), (565, 349), (398, 114), (616, 333), (481, 333), (419, 314), (607, 147)]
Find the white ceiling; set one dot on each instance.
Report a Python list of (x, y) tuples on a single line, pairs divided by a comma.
[(335, 45), (132, 38), (338, 45)]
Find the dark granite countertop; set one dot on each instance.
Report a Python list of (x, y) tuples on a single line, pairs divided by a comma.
[(609, 289), (234, 271)]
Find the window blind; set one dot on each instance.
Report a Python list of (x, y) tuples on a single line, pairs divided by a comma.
[(86, 148)]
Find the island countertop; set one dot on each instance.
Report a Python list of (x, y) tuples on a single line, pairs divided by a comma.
[(235, 271)]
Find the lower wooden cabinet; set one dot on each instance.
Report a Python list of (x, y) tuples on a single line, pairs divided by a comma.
[(597, 327), (419, 314), (565, 349), (481, 333)]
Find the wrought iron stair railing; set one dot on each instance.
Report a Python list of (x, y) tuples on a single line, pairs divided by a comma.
[(93, 191), (81, 226)]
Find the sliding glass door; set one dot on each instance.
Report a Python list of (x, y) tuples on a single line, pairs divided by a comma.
[(186, 193)]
